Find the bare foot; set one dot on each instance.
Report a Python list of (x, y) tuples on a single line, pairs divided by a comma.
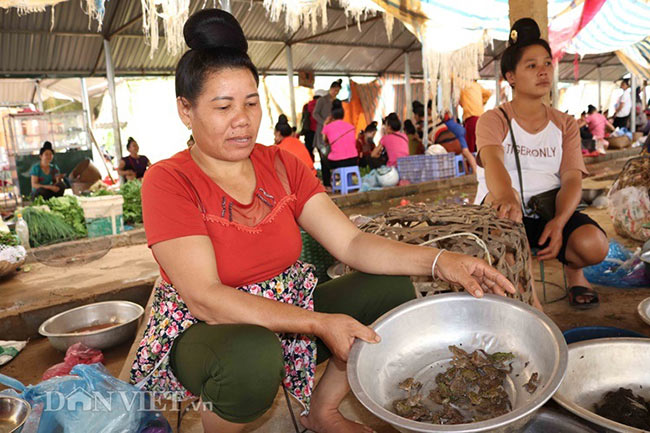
[(332, 422)]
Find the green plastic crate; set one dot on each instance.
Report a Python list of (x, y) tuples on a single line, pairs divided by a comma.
[(314, 253)]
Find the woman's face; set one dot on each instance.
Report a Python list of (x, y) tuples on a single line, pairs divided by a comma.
[(278, 137), (47, 157), (134, 148), (334, 91), (371, 135), (533, 75), (225, 117)]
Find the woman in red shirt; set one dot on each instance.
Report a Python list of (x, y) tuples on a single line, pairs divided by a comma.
[(237, 314), (284, 139)]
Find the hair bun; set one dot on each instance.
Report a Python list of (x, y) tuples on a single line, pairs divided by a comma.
[(283, 119), (214, 28), (524, 30), (47, 146)]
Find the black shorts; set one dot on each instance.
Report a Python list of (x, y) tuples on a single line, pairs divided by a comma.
[(535, 226)]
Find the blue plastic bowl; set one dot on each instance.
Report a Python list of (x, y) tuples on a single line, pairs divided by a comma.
[(593, 332)]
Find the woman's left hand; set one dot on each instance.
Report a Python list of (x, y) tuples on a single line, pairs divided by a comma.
[(475, 275), (552, 233)]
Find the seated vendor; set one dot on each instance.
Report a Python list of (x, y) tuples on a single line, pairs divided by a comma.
[(46, 177), (134, 165), (394, 142), (530, 153), (237, 314), (285, 139)]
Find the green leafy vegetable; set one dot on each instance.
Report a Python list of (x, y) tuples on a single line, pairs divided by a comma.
[(9, 239), (46, 228), (68, 208), (132, 208), (102, 192)]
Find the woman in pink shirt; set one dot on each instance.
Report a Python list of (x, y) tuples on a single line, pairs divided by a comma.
[(394, 141), (342, 139), (596, 123)]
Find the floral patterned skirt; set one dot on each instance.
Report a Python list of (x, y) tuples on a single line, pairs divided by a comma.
[(170, 317)]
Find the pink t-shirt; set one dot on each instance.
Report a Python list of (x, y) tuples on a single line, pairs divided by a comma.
[(596, 123), (396, 145), (342, 139)]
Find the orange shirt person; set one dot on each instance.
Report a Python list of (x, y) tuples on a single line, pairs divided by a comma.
[(284, 139)]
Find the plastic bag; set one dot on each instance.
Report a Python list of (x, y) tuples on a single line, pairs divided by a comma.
[(621, 268), (78, 353), (629, 209), (370, 181), (92, 401)]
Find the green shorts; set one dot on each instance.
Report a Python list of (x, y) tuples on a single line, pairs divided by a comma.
[(238, 368)]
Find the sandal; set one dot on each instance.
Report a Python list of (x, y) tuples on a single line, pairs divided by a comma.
[(576, 291)]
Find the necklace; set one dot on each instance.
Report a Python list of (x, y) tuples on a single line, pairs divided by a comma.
[(535, 128)]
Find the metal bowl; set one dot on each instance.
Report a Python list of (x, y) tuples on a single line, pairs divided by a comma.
[(60, 329), (415, 339), (598, 366), (590, 194), (13, 413)]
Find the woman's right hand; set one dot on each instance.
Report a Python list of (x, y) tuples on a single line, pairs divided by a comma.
[(338, 332), (508, 207)]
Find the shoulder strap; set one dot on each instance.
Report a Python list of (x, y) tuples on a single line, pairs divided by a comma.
[(399, 136), (516, 151), (342, 135)]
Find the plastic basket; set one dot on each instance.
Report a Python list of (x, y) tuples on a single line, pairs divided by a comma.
[(314, 253), (103, 215), (424, 168)]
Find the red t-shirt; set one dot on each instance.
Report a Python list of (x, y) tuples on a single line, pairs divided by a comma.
[(252, 242), (298, 149)]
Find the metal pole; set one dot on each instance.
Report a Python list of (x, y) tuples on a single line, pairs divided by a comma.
[(556, 82), (407, 85), (39, 96), (600, 85), (497, 95), (633, 109), (110, 77), (292, 95), (85, 101), (425, 87)]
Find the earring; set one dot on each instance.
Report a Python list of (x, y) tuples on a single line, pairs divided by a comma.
[(189, 126)]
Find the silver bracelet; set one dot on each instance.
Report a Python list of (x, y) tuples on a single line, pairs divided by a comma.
[(435, 260)]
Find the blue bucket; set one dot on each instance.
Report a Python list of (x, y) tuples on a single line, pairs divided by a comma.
[(593, 332)]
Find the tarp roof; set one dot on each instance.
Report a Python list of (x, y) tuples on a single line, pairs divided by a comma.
[(30, 47)]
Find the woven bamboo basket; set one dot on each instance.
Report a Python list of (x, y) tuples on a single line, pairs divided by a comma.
[(619, 142)]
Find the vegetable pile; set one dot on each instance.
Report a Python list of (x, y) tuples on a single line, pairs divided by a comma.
[(132, 208), (9, 239), (47, 228), (68, 208)]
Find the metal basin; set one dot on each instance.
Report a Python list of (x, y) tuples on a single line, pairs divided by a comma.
[(60, 329), (13, 413), (644, 310), (550, 421), (415, 339), (598, 366)]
